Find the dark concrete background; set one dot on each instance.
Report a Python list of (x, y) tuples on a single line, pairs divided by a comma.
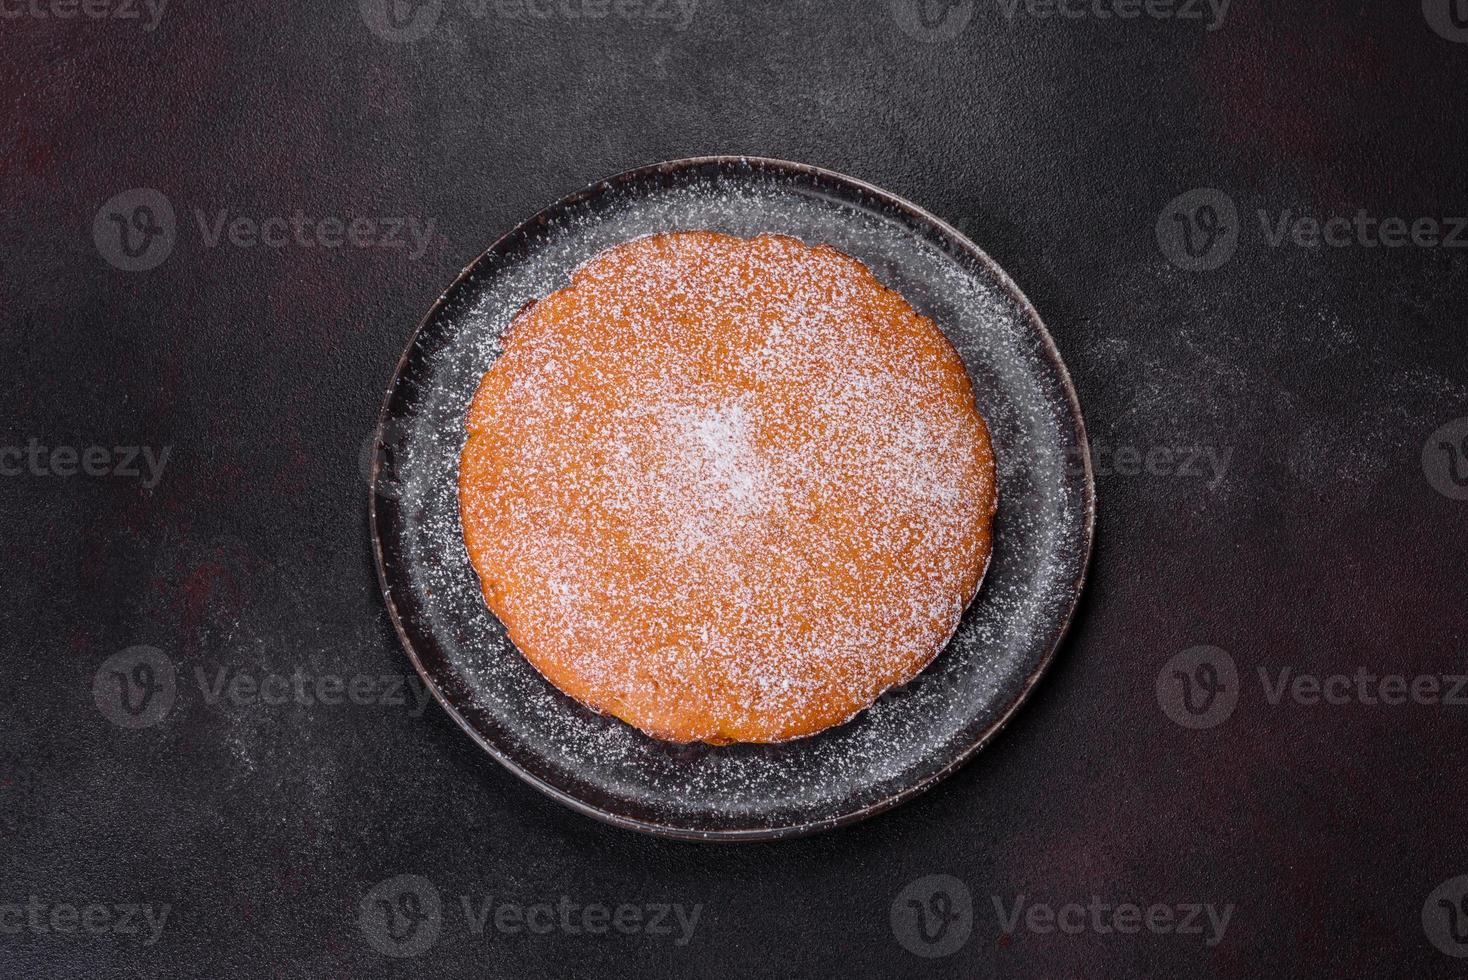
[(1326, 546)]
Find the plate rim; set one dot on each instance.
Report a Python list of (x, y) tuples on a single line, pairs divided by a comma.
[(1051, 354)]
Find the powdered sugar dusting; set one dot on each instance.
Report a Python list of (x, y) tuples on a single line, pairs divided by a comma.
[(711, 477), (763, 551)]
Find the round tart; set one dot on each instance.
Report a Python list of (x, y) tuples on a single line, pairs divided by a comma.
[(727, 490)]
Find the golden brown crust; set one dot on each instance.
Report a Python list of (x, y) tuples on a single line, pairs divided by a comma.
[(727, 489)]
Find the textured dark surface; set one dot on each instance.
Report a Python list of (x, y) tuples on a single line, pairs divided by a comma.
[(1056, 144)]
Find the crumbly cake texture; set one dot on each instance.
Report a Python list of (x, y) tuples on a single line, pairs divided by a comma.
[(727, 490)]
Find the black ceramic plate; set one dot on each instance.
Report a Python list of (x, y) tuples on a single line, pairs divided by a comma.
[(914, 735)]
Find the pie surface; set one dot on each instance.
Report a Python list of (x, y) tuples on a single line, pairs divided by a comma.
[(725, 489)]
